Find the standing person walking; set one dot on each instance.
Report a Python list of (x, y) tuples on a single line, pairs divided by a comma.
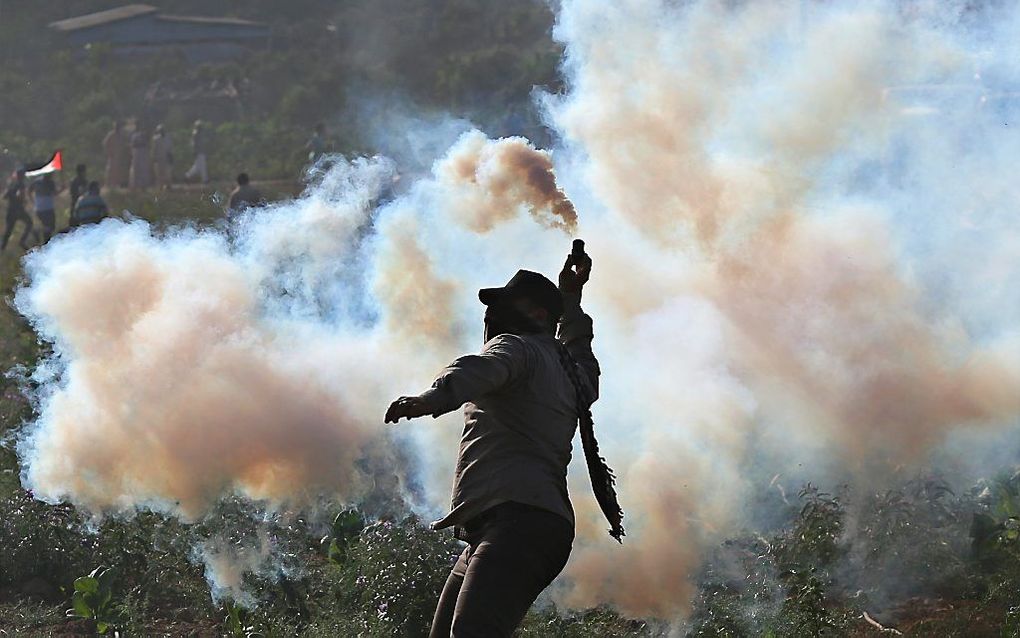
[(141, 169), (115, 147), (15, 195), (44, 198), (523, 397), (78, 185), (200, 147), (162, 158)]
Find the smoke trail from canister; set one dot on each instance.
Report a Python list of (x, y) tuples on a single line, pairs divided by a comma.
[(503, 177), (802, 221)]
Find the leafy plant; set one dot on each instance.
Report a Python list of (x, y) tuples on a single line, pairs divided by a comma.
[(236, 621), (392, 576), (93, 598), (344, 530), (719, 613), (805, 612), (995, 531), (816, 534), (778, 586)]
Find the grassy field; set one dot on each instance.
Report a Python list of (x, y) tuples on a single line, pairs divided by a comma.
[(936, 559)]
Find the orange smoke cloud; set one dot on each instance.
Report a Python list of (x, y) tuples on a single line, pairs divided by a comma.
[(175, 392), (495, 179)]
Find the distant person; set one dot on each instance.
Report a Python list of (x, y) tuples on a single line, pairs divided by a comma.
[(243, 196), (115, 147), (141, 170), (317, 143), (162, 158), (15, 195), (200, 147), (44, 194), (91, 209), (78, 185)]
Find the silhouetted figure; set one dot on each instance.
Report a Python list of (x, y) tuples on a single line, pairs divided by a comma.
[(44, 194), (116, 149), (317, 143), (91, 209), (243, 196), (200, 147), (162, 158), (141, 169), (78, 185), (523, 396), (15, 195)]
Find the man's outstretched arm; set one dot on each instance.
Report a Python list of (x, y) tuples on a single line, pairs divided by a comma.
[(501, 361)]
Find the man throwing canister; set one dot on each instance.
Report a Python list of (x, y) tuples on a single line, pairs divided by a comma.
[(523, 396)]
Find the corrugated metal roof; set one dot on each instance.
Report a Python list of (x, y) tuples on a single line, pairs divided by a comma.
[(103, 17), (208, 20)]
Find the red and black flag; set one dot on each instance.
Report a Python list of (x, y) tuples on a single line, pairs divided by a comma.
[(54, 164)]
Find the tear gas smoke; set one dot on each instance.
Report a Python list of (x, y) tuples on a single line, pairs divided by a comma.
[(494, 180), (794, 272), (758, 143), (226, 564)]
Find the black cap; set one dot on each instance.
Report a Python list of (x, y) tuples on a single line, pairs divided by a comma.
[(528, 284)]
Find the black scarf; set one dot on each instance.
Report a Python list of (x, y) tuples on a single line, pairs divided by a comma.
[(603, 480)]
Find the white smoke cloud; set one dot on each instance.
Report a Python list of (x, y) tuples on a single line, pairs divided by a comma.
[(763, 150), (790, 263), (226, 563)]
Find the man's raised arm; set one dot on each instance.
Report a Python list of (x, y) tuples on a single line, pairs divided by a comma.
[(575, 329)]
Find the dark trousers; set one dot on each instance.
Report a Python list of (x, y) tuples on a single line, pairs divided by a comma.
[(15, 215), (49, 222), (514, 551)]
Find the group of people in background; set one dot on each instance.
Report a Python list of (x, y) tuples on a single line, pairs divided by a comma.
[(87, 205), (139, 161), (136, 161)]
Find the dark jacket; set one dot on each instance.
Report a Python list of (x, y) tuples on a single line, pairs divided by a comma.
[(520, 413), (91, 209)]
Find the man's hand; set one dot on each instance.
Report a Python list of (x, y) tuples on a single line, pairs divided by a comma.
[(575, 273), (406, 407)]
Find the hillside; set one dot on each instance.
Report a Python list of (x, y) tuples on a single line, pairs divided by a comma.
[(325, 63)]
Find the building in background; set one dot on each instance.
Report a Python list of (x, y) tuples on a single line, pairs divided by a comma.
[(141, 29)]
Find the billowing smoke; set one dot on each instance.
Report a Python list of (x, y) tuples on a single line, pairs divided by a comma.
[(226, 564), (806, 253), (768, 183), (175, 380)]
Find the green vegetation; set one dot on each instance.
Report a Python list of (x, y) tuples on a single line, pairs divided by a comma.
[(908, 555), (326, 63), (93, 598)]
